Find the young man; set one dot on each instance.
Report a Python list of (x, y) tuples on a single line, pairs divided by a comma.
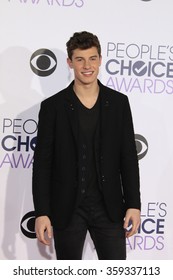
[(85, 171)]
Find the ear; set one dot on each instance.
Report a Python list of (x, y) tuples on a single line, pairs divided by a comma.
[(69, 62)]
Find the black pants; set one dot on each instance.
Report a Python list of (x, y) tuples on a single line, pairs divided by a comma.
[(108, 237)]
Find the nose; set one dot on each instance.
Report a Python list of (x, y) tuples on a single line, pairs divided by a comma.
[(86, 64)]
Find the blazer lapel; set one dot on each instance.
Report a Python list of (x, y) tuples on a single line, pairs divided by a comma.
[(71, 108), (104, 110)]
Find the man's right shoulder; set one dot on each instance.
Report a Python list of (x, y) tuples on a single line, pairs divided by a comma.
[(56, 98)]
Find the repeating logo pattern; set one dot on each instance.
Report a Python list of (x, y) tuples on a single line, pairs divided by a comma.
[(27, 225), (43, 62), (55, 3), (141, 146)]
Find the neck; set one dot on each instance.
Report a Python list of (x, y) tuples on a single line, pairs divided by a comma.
[(87, 94), (88, 90)]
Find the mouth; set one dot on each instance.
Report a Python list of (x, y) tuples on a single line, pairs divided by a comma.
[(88, 73)]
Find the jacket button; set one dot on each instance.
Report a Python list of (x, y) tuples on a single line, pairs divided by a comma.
[(107, 103), (84, 156), (83, 179), (83, 191), (83, 168), (103, 178), (71, 107)]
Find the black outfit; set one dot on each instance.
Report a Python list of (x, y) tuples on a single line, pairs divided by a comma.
[(65, 189), (90, 213)]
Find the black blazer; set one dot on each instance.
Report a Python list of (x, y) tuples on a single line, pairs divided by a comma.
[(55, 167)]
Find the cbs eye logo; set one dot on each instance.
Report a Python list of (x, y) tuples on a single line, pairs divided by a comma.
[(43, 62), (141, 146), (27, 225)]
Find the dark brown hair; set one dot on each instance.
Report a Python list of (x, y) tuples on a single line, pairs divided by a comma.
[(82, 40)]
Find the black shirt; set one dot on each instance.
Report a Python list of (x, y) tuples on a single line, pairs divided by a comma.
[(88, 124)]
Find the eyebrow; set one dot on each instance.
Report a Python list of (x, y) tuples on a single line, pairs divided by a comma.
[(93, 56)]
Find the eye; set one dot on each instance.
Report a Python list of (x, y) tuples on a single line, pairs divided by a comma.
[(43, 62), (79, 59), (141, 146), (27, 225)]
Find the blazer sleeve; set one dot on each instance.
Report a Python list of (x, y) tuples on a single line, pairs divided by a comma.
[(129, 161), (43, 160)]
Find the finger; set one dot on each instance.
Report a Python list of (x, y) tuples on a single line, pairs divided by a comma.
[(126, 222), (130, 233), (133, 230), (44, 240), (49, 231), (41, 237)]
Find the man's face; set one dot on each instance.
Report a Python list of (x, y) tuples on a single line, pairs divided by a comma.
[(85, 64)]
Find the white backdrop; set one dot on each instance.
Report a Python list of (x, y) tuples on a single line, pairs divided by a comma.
[(137, 49)]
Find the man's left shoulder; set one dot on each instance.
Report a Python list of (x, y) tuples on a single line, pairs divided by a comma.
[(112, 93)]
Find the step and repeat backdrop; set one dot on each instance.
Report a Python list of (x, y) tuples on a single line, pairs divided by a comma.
[(137, 49)]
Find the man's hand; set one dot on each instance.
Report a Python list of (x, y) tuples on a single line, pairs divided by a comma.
[(133, 216), (43, 224)]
